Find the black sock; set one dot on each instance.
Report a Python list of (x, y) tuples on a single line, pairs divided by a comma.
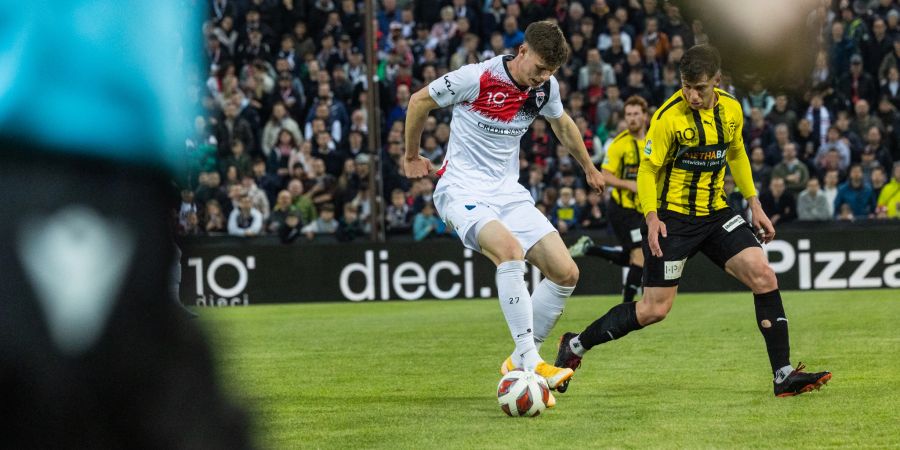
[(632, 282), (617, 322), (618, 257), (773, 325)]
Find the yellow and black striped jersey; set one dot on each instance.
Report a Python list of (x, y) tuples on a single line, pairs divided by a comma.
[(623, 159), (687, 151)]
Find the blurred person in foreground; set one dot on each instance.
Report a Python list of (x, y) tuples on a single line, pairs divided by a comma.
[(478, 195), (93, 354), (692, 137)]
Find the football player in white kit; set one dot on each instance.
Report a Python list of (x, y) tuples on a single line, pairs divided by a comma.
[(478, 194)]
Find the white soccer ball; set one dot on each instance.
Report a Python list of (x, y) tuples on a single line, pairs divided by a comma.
[(523, 393)]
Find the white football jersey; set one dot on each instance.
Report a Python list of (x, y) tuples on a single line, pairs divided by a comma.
[(490, 115)]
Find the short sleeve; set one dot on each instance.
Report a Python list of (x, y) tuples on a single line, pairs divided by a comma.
[(737, 138), (613, 158), (554, 108), (659, 141), (460, 85)]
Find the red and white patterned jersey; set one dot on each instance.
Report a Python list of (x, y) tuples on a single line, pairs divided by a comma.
[(490, 115)]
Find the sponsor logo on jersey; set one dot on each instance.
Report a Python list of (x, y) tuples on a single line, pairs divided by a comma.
[(648, 148), (503, 131), (447, 82)]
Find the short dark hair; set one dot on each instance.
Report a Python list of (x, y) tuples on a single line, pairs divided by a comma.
[(700, 60), (547, 40), (637, 100)]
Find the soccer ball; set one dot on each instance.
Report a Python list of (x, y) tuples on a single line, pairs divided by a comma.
[(523, 393)]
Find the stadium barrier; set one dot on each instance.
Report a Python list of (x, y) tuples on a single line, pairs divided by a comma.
[(224, 271)]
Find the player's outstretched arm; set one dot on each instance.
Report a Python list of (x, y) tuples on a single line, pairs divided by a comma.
[(616, 182), (567, 132), (420, 104)]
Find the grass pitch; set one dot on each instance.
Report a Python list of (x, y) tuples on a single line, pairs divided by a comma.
[(424, 375)]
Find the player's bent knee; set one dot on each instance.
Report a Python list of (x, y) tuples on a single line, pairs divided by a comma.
[(764, 280), (569, 276)]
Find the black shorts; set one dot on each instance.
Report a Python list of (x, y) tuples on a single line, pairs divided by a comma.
[(719, 236), (626, 224)]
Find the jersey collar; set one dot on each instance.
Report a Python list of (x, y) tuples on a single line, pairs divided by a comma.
[(507, 58)]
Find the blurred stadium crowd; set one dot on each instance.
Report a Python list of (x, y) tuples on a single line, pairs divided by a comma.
[(281, 145)]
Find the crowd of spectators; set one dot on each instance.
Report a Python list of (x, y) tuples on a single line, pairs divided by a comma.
[(281, 148)]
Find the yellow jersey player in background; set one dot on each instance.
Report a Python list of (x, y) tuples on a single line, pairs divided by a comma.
[(692, 137), (620, 169)]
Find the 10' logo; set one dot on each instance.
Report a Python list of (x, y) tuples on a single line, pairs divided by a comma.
[(496, 98), (222, 295)]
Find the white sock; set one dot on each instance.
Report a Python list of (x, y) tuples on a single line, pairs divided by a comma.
[(783, 373), (548, 300), (516, 305), (575, 345)]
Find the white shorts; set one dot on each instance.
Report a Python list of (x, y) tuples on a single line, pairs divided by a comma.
[(468, 213)]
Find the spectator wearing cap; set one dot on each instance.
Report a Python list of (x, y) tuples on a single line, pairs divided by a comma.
[(857, 194), (857, 84), (889, 198)]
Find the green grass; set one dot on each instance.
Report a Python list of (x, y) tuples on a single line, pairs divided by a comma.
[(424, 374)]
